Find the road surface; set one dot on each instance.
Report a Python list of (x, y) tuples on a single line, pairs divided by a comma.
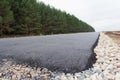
[(64, 52)]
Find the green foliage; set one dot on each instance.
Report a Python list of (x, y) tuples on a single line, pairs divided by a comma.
[(29, 17), (6, 17)]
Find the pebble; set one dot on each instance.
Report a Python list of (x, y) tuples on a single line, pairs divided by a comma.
[(117, 77)]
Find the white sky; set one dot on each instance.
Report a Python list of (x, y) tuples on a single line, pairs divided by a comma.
[(101, 14)]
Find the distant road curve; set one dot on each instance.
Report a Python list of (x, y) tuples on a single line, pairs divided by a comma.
[(64, 52)]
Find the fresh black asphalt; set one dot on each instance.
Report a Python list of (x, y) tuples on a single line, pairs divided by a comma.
[(64, 52)]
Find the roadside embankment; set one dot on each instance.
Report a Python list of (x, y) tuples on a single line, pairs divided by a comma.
[(107, 66)]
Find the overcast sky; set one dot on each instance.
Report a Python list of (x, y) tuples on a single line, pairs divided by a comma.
[(101, 14)]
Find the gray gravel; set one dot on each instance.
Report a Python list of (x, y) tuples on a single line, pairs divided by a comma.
[(10, 70)]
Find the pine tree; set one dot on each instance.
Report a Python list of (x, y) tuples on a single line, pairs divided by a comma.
[(6, 17), (29, 17), (26, 16)]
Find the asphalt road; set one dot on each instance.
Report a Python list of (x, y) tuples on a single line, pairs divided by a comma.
[(64, 52)]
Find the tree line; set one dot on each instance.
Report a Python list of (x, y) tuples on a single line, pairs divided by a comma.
[(29, 17)]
